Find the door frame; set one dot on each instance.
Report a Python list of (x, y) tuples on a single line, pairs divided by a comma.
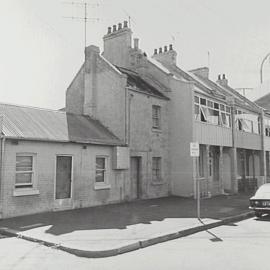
[(139, 173), (67, 200)]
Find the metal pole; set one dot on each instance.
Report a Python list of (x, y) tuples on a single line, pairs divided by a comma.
[(198, 189), (85, 23), (261, 68)]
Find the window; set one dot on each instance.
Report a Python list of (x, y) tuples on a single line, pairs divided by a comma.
[(24, 171), (156, 116), (196, 100), (212, 112), (100, 169), (247, 122), (203, 101), (267, 127), (156, 168)]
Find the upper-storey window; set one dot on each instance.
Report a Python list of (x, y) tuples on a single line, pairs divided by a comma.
[(209, 111), (247, 122), (267, 127), (156, 117)]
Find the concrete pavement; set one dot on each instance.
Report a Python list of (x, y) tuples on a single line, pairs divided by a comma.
[(114, 229)]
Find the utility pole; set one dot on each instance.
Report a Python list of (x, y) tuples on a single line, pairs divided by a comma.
[(85, 18)]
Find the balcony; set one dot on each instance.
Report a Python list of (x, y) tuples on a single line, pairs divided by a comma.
[(206, 133), (248, 140)]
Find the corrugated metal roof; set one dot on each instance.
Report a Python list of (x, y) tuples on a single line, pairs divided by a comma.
[(48, 125)]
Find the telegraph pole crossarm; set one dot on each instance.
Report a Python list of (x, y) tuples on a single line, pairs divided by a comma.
[(85, 18)]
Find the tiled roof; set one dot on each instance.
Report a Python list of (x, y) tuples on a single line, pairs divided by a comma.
[(134, 80), (48, 125)]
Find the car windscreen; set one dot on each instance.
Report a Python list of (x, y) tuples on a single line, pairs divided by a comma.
[(263, 191)]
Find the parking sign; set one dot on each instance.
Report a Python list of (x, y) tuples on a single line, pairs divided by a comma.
[(194, 149)]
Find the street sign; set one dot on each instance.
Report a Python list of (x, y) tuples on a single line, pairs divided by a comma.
[(194, 149)]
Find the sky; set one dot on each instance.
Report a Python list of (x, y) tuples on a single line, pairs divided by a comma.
[(41, 50)]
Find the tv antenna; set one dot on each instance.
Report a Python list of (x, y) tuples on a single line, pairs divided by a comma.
[(84, 18)]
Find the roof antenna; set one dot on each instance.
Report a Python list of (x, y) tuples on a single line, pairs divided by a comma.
[(129, 18), (83, 18)]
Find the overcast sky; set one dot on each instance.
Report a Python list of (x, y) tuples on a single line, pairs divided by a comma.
[(40, 51)]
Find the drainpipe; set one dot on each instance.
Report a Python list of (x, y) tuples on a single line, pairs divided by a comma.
[(263, 154), (234, 183), (3, 139)]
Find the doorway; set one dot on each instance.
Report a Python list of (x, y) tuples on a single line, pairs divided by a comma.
[(135, 177), (63, 181)]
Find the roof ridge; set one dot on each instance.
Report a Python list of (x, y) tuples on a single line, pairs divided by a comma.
[(30, 107)]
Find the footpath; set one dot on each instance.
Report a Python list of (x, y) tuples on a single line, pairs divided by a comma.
[(115, 229)]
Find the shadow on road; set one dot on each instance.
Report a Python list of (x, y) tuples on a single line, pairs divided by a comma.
[(119, 216)]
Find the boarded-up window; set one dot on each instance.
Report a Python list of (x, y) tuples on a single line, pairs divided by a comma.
[(156, 116)]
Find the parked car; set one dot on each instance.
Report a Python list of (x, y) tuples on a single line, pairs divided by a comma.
[(260, 202)]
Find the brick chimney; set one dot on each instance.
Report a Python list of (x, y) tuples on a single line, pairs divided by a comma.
[(117, 44), (222, 80), (167, 55), (90, 81), (201, 72)]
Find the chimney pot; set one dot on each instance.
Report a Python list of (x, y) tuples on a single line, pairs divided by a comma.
[(155, 51), (109, 30), (219, 77), (223, 76), (125, 24), (165, 48), (114, 28), (119, 26), (170, 46), (160, 50)]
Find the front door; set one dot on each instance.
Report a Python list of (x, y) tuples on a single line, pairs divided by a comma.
[(135, 175), (63, 182)]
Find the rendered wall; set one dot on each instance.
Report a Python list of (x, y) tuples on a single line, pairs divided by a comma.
[(181, 134), (75, 94), (111, 98), (147, 142), (83, 194)]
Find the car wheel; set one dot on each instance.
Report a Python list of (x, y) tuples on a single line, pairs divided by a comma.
[(258, 215)]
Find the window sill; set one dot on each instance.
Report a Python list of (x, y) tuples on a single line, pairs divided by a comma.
[(25, 192), (208, 123), (158, 183), (102, 186), (156, 130)]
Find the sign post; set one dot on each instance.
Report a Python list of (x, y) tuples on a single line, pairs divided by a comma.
[(195, 153)]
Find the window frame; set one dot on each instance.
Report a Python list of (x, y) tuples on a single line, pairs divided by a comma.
[(207, 108), (26, 188), (104, 184), (31, 185), (156, 117), (157, 176)]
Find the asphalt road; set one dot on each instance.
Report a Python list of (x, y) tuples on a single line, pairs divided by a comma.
[(244, 245)]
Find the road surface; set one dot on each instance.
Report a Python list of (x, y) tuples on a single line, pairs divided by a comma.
[(245, 245)]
